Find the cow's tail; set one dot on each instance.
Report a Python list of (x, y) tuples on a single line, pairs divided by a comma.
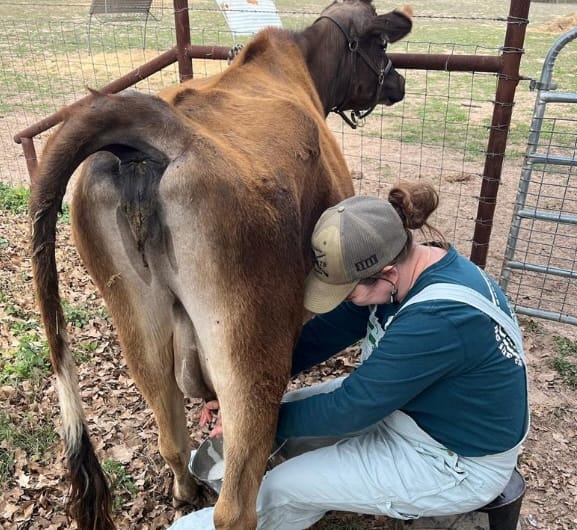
[(133, 122)]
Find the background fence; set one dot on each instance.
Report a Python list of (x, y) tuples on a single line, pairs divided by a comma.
[(50, 51)]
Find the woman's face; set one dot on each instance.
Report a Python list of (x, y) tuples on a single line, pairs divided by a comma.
[(374, 290)]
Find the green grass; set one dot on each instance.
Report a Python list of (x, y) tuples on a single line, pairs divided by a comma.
[(14, 199), (16, 312), (454, 109), (43, 83), (34, 435), (77, 316), (83, 352), (28, 358), (122, 484), (27, 361), (565, 360), (6, 454)]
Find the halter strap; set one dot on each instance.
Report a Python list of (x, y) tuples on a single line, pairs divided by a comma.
[(381, 73)]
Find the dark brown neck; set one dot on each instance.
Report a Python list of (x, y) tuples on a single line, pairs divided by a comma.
[(324, 64)]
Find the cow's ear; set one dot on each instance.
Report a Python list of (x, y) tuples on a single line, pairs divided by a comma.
[(395, 25), (254, 48)]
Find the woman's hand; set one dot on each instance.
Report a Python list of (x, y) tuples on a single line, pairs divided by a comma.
[(207, 416)]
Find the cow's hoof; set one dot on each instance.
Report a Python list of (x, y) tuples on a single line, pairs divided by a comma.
[(204, 497)]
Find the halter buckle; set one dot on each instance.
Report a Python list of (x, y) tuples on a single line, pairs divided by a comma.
[(359, 116)]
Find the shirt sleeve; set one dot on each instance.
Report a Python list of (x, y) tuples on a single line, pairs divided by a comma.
[(326, 335), (417, 351)]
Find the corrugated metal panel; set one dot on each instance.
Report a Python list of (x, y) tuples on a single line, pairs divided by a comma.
[(246, 17)]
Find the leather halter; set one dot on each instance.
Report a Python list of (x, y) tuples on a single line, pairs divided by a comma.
[(381, 72)]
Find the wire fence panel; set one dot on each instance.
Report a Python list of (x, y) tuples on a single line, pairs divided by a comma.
[(539, 270)]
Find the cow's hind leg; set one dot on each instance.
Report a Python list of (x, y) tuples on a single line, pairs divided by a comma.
[(143, 312), (249, 393), (147, 344), (152, 369), (247, 447)]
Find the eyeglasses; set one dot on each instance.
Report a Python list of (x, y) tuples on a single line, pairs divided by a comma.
[(372, 280)]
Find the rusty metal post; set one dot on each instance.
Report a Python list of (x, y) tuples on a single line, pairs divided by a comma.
[(30, 156), (182, 27), (501, 121)]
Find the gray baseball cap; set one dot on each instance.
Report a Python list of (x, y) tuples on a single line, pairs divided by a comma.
[(352, 240)]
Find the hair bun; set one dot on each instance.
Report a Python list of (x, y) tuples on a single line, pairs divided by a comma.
[(414, 202)]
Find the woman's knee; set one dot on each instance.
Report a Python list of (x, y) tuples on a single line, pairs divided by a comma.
[(282, 504), (276, 486)]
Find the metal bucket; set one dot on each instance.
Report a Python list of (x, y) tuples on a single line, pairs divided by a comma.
[(207, 463)]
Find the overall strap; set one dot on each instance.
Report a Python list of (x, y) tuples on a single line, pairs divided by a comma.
[(466, 295)]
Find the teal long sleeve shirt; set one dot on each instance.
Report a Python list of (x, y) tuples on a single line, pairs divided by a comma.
[(446, 364)]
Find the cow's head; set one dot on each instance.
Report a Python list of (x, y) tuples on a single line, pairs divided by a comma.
[(348, 56)]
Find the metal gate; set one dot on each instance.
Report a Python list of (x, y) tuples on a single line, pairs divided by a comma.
[(539, 270)]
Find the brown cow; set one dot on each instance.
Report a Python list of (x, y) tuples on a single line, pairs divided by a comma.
[(193, 216)]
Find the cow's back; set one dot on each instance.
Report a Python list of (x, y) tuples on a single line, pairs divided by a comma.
[(263, 113)]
